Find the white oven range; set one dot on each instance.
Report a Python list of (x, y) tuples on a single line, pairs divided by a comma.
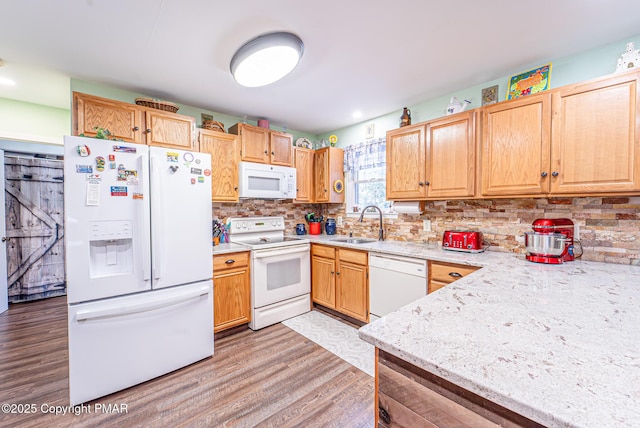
[(280, 269)]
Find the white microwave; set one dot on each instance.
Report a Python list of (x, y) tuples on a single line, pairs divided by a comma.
[(262, 181)]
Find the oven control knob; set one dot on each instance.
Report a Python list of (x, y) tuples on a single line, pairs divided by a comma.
[(279, 223), (244, 225), (237, 225)]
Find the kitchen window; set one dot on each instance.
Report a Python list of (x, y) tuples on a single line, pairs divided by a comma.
[(365, 177)]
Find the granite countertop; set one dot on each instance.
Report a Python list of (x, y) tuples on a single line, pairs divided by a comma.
[(559, 344), (228, 248)]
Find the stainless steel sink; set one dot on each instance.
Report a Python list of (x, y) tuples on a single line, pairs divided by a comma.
[(354, 240)]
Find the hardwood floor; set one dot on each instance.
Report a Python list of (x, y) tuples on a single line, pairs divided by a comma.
[(270, 378)]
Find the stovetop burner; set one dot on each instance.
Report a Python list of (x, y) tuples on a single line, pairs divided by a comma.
[(260, 232)]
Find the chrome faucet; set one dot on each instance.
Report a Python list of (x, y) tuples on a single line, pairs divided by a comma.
[(381, 232)]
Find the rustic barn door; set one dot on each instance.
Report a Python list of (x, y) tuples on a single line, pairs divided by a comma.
[(4, 305), (34, 228)]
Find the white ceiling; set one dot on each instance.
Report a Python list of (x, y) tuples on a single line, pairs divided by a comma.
[(375, 56)]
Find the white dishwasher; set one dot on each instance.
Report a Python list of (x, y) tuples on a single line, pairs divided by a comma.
[(394, 281)]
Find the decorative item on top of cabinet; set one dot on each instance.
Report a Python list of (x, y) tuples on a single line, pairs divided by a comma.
[(133, 123), (328, 167), (231, 290), (405, 118), (263, 145), (225, 155), (304, 174), (629, 59), (340, 280), (442, 274)]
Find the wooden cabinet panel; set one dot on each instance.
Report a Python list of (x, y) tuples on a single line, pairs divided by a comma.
[(353, 256), (328, 167), (167, 129), (323, 251), (406, 151), (304, 174), (254, 142), (451, 160), (231, 290), (516, 147), (323, 285), (281, 148), (442, 274), (352, 289), (594, 137), (225, 155), (123, 120)]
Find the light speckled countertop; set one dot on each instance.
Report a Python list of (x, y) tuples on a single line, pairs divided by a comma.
[(559, 344), (228, 248)]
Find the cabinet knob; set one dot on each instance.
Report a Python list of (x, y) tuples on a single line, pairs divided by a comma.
[(544, 174), (337, 273), (229, 261), (235, 188), (135, 128), (332, 272), (555, 173), (426, 183), (266, 152), (273, 153), (455, 274), (148, 130), (421, 184)]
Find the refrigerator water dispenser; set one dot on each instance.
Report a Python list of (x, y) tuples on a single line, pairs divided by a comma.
[(111, 248)]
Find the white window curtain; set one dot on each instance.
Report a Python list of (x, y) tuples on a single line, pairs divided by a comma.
[(360, 156)]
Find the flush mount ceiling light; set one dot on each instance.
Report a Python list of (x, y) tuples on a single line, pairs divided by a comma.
[(266, 59), (4, 80)]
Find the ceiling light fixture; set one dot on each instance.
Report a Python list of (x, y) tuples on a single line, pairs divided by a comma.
[(357, 114), (4, 80), (266, 59)]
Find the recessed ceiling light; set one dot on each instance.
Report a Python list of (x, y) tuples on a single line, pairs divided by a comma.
[(357, 114), (8, 82), (266, 59)]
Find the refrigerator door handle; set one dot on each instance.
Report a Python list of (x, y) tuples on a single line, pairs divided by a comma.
[(157, 221), (145, 213), (152, 305)]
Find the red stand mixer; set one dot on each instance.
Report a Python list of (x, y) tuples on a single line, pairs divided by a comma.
[(551, 241)]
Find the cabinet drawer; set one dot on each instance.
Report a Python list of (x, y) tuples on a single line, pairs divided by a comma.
[(231, 260), (449, 272), (323, 251), (352, 256)]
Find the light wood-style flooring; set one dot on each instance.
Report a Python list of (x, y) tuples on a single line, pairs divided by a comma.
[(270, 378)]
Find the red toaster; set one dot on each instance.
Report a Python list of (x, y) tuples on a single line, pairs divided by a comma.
[(463, 240)]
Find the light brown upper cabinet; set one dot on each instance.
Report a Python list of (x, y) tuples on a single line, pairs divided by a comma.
[(515, 147), (594, 139), (328, 170), (304, 174), (262, 145), (225, 155), (132, 123), (433, 159)]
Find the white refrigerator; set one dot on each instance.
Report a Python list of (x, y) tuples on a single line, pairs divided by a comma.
[(138, 260)]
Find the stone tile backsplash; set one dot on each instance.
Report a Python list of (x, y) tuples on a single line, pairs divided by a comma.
[(608, 227)]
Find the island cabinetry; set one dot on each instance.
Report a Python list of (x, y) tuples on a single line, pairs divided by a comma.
[(262, 145), (304, 174), (225, 155), (442, 274), (408, 396), (516, 147), (340, 280), (231, 290), (594, 138), (132, 123), (328, 166)]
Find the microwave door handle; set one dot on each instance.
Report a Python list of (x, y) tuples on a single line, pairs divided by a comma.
[(273, 253)]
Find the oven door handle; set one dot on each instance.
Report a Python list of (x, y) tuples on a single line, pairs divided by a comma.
[(261, 254)]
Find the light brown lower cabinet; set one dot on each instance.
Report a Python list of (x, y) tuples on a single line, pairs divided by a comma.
[(408, 396), (442, 274), (340, 280), (231, 290)]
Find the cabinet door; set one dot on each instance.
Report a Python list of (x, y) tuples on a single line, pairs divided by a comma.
[(123, 120), (321, 174), (225, 156), (254, 143), (231, 298), (323, 282), (451, 160), (171, 130), (352, 291), (594, 137), (406, 151), (304, 174), (516, 147), (281, 145)]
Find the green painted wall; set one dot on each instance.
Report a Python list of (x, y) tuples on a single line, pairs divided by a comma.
[(23, 121), (584, 66), (129, 97)]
